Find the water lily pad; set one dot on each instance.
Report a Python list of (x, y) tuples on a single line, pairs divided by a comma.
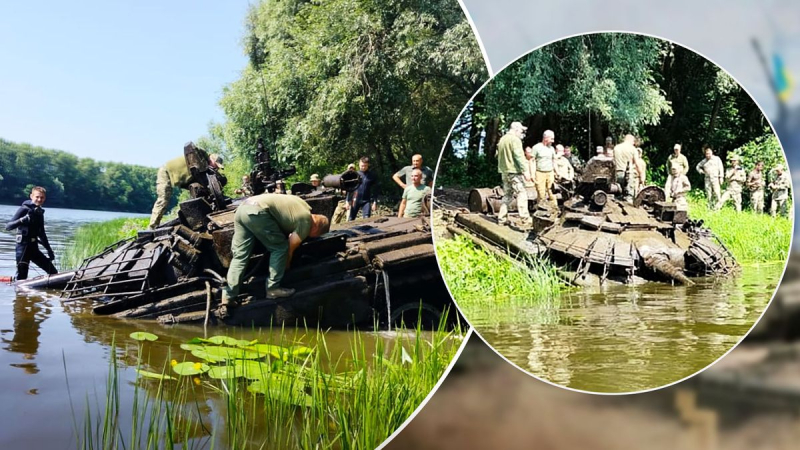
[(283, 389), (227, 340), (275, 351), (190, 368), (218, 354), (143, 336), (252, 370), (300, 350), (157, 376)]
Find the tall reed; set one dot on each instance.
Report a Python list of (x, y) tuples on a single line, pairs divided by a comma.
[(320, 400), (92, 238)]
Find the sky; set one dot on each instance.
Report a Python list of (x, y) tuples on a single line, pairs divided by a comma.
[(116, 81)]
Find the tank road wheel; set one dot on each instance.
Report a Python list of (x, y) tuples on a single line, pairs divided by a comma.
[(216, 192), (648, 196), (412, 314)]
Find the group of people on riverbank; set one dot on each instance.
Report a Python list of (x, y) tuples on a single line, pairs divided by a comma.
[(541, 166)]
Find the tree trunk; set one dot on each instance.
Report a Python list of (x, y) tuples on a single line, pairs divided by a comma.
[(491, 139), (714, 113), (474, 131)]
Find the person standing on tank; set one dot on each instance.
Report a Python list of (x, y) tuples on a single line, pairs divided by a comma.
[(176, 174), (365, 197), (512, 167), (29, 223), (544, 154), (675, 159), (628, 171)]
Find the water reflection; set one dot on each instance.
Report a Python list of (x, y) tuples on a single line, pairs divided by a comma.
[(623, 338), (29, 313)]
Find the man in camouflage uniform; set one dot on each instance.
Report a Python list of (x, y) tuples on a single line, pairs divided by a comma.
[(676, 159), (736, 177), (573, 159), (756, 183), (512, 166), (780, 192), (564, 171), (711, 166), (175, 173), (679, 188), (625, 156)]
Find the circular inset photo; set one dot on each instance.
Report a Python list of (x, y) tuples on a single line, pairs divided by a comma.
[(612, 212)]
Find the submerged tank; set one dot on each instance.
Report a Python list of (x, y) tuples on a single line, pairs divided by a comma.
[(380, 270), (595, 236)]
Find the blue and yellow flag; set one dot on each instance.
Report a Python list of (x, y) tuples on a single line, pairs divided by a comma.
[(783, 79)]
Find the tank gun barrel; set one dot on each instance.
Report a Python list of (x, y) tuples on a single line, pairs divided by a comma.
[(348, 181)]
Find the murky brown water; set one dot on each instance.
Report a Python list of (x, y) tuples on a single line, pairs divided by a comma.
[(45, 343), (625, 339)]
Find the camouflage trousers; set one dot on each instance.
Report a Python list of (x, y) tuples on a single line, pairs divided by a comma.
[(628, 183), (757, 201), (514, 186), (250, 223), (681, 204), (781, 203), (163, 194), (712, 191), (668, 187), (731, 194), (340, 212)]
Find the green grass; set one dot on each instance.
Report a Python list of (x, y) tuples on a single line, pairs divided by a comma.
[(749, 236), (91, 239), (473, 274), (351, 403)]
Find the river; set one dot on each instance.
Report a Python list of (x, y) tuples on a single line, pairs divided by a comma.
[(624, 338), (55, 357)]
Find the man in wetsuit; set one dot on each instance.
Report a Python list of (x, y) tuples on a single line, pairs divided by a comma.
[(29, 223)]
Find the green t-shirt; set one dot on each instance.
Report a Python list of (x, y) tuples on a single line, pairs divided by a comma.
[(544, 157), (405, 174), (292, 214), (414, 195)]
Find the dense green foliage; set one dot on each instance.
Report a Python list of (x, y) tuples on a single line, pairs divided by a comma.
[(73, 182), (749, 236), (92, 238), (329, 82), (589, 87)]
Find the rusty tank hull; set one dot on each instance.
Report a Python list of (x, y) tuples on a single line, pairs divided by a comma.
[(380, 270), (595, 237)]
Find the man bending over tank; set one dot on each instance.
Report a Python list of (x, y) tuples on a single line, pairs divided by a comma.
[(280, 223), (29, 223)]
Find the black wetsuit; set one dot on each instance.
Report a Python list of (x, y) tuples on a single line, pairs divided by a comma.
[(29, 223)]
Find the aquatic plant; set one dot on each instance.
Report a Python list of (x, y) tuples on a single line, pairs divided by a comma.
[(749, 236), (90, 239), (475, 275), (289, 396)]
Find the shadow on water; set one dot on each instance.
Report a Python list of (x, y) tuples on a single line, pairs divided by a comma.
[(622, 338)]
